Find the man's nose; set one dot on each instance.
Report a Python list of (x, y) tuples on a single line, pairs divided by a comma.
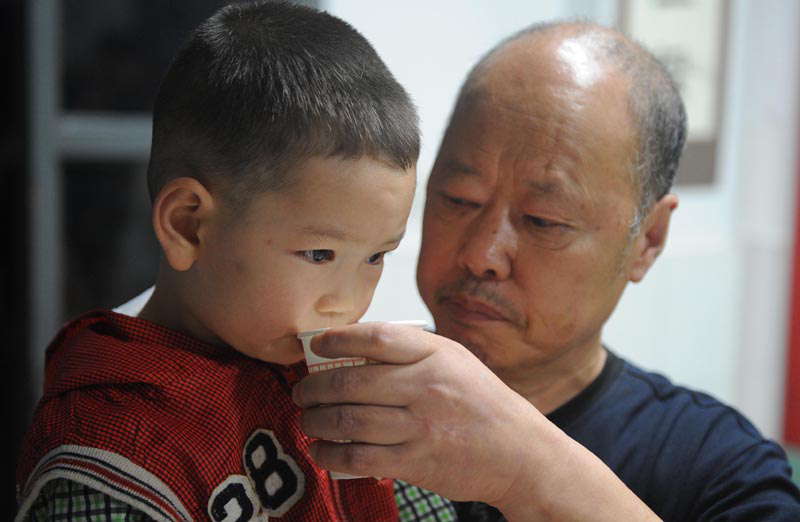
[(489, 245)]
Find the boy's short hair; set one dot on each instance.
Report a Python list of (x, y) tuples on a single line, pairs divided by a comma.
[(260, 87)]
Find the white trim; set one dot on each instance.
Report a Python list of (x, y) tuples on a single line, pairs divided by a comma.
[(92, 483), (111, 462)]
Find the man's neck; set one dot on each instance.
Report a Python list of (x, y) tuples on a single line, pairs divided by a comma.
[(556, 382)]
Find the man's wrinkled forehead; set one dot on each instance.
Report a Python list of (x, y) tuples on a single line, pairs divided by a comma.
[(534, 181), (556, 133), (524, 134)]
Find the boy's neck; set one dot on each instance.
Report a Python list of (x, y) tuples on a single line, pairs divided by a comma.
[(165, 308)]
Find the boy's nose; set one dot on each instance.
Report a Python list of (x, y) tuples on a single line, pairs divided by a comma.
[(340, 302)]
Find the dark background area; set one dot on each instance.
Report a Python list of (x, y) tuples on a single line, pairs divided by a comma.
[(112, 55), (13, 190)]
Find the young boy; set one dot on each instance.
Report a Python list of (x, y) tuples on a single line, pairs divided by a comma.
[(282, 170)]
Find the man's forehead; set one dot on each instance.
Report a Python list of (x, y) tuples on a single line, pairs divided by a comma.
[(530, 132), (554, 128), (535, 180)]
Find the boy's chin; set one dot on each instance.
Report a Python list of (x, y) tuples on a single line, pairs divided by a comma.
[(284, 350)]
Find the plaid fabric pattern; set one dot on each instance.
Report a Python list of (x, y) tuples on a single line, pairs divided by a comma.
[(178, 429), (418, 505), (62, 500)]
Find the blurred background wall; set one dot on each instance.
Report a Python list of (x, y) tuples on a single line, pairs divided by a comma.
[(713, 314)]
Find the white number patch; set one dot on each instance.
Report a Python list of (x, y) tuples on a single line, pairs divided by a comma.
[(274, 483), (234, 500)]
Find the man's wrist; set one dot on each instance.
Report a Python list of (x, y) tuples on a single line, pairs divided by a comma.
[(563, 481), (530, 496)]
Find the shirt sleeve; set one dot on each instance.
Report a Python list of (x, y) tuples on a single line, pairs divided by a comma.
[(753, 486), (64, 500)]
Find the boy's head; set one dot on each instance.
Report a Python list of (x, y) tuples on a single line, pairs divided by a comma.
[(259, 87), (282, 169)]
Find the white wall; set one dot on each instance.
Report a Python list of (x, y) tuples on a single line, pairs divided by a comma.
[(712, 312), (768, 111)]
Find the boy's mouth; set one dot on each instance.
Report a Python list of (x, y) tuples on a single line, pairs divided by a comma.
[(284, 350)]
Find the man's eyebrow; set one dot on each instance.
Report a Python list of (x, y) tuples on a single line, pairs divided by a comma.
[(453, 167), (553, 188), (546, 187)]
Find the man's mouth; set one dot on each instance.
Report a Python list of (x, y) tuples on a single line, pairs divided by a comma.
[(470, 310)]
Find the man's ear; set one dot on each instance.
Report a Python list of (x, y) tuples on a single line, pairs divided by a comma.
[(652, 237), (181, 214)]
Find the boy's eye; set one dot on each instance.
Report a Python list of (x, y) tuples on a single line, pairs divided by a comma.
[(375, 259), (317, 256)]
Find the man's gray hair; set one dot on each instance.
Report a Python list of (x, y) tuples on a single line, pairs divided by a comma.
[(654, 100)]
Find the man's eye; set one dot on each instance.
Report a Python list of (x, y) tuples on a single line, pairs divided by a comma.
[(538, 222), (459, 202), (317, 256), (376, 259)]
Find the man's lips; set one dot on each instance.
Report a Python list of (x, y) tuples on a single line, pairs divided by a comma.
[(472, 310)]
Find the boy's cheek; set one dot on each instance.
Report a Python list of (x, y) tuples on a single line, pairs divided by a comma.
[(284, 350)]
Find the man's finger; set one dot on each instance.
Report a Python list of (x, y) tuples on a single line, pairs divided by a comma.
[(382, 342), (367, 460), (376, 384), (372, 424)]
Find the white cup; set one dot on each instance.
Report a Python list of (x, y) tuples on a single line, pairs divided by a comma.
[(316, 364)]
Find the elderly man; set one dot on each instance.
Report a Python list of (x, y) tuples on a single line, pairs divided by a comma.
[(550, 193)]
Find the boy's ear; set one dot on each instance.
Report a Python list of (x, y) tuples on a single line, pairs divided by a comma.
[(181, 213), (652, 237)]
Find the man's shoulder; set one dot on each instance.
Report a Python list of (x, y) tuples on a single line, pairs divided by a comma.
[(679, 415), (692, 451), (647, 405), (639, 384)]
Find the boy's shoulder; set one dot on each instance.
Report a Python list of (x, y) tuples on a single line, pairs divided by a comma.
[(130, 406), (103, 349)]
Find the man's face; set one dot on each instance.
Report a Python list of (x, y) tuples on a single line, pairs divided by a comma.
[(529, 205), (303, 258)]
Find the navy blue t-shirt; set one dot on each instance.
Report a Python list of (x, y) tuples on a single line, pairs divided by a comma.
[(686, 455)]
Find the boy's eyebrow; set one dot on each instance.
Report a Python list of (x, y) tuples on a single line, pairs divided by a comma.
[(396, 239), (341, 235), (330, 232)]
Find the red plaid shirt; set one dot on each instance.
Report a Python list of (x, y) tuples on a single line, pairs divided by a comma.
[(181, 430)]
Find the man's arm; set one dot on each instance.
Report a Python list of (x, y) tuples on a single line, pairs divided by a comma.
[(435, 416)]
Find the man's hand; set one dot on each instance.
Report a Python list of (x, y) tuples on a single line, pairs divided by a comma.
[(429, 413), (432, 414)]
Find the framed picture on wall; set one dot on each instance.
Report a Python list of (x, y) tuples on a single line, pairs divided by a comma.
[(689, 38)]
